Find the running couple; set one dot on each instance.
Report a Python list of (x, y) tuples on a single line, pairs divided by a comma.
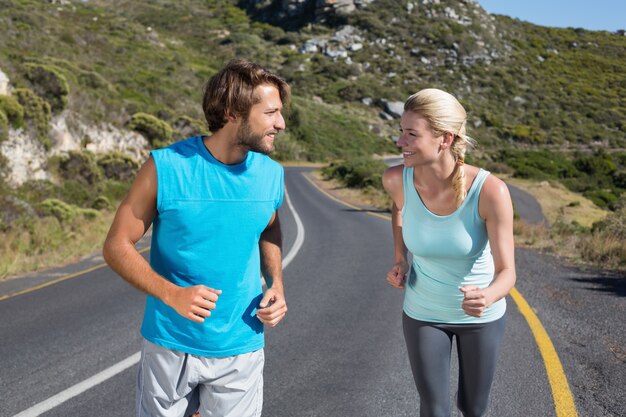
[(212, 202)]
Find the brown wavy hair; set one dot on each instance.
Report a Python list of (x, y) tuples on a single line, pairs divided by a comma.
[(231, 91)]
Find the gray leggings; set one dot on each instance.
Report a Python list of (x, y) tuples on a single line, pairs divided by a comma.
[(430, 345)]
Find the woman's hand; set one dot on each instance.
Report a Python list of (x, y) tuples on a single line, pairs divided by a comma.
[(396, 277), (475, 300)]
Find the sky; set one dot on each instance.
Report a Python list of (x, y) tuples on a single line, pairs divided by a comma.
[(587, 14)]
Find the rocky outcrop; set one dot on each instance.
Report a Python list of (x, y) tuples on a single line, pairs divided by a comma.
[(27, 157), (292, 14), (28, 160), (103, 138), (323, 10)]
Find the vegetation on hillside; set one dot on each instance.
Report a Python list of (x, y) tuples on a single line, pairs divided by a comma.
[(544, 103)]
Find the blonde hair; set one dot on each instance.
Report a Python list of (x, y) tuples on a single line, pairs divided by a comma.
[(444, 113)]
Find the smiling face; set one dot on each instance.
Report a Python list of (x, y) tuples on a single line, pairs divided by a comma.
[(258, 130), (417, 140)]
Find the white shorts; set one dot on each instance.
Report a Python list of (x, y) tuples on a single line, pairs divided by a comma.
[(177, 384)]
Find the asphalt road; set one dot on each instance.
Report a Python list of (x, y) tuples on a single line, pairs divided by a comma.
[(339, 352)]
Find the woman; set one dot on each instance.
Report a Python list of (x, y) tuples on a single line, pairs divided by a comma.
[(457, 222)]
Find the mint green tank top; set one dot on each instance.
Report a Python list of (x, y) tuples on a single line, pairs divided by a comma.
[(449, 252)]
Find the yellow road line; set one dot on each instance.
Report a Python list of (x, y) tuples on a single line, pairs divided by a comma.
[(60, 279), (563, 399)]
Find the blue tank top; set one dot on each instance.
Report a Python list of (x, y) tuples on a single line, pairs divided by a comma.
[(449, 252), (209, 219)]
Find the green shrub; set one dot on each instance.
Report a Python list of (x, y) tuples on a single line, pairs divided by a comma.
[(186, 126), (601, 198), (606, 244), (13, 110), (61, 210), (80, 166), (614, 223), (118, 166), (101, 203), (539, 165), (155, 130), (362, 172), (92, 79), (49, 83), (599, 165), (37, 114), (88, 213)]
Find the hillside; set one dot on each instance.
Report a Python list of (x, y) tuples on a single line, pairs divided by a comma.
[(86, 87)]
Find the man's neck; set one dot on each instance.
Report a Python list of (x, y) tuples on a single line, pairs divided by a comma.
[(224, 149)]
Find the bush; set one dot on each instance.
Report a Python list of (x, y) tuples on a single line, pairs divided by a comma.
[(37, 114), (101, 203), (49, 83), (118, 166), (614, 223), (92, 79), (63, 211), (541, 165), (362, 172), (606, 245), (600, 164), (186, 127), (601, 198), (13, 110), (81, 167), (155, 130)]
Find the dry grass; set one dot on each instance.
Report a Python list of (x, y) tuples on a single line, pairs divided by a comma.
[(368, 197), (44, 242), (603, 249), (560, 204)]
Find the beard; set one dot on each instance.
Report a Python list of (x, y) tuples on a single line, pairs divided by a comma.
[(253, 140)]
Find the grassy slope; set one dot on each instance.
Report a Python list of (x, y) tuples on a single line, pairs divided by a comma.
[(121, 57)]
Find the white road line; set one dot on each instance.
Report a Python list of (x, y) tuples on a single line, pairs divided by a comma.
[(299, 234), (79, 388), (73, 391)]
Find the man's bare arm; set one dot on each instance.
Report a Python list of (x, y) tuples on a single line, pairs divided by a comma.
[(273, 306), (132, 220)]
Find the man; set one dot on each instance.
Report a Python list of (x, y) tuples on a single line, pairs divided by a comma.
[(212, 202)]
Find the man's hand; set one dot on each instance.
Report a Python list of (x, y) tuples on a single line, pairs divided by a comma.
[(272, 307), (194, 303), (475, 300), (396, 277)]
